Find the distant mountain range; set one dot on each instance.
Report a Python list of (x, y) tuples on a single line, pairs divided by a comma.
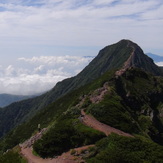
[(121, 87), (7, 99), (155, 57)]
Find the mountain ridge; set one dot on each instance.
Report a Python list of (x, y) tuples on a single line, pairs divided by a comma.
[(111, 57), (140, 60), (7, 99), (155, 57), (131, 102)]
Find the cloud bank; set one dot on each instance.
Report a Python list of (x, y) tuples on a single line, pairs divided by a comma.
[(159, 64), (39, 74)]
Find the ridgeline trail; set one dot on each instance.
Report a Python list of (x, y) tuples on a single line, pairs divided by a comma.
[(88, 120), (64, 158)]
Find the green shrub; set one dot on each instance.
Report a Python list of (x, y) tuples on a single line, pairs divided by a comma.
[(11, 157), (119, 149), (66, 134), (110, 111)]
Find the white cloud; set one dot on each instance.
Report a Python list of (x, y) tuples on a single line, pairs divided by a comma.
[(40, 74), (36, 25), (9, 70), (159, 63), (102, 2), (74, 23), (29, 84), (153, 14), (69, 64)]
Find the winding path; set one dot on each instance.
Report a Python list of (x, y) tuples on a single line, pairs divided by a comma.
[(27, 153), (64, 158), (90, 121)]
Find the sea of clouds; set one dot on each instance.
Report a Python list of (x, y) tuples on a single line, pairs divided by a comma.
[(39, 74)]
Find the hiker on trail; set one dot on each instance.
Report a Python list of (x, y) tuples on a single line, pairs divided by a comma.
[(39, 128)]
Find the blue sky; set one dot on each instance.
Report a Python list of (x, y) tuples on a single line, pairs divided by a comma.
[(56, 28)]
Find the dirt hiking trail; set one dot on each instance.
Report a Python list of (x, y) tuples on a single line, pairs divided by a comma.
[(67, 157), (90, 121)]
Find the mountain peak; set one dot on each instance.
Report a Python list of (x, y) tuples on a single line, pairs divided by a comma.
[(130, 44), (127, 42), (121, 56), (117, 57), (137, 58)]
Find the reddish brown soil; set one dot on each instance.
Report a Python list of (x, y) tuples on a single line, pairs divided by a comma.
[(127, 64), (27, 153), (64, 158), (99, 94), (92, 122), (68, 157)]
